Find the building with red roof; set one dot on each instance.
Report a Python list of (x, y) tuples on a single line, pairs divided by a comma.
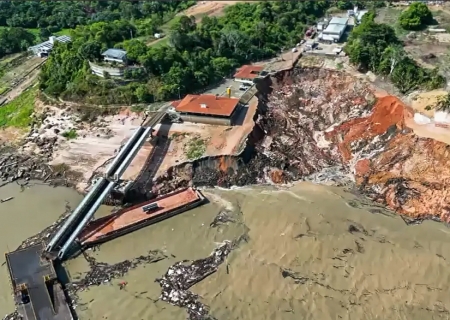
[(207, 108), (247, 73)]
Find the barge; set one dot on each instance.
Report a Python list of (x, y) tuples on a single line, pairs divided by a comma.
[(136, 217), (37, 293)]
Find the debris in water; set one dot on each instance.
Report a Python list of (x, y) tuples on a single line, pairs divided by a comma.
[(180, 277), (6, 199)]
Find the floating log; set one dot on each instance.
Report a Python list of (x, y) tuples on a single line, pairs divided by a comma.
[(6, 199)]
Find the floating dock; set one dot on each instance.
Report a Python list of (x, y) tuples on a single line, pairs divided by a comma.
[(37, 293), (130, 219)]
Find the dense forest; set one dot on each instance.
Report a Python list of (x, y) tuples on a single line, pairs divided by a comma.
[(14, 40), (197, 54), (58, 15), (375, 47), (23, 23)]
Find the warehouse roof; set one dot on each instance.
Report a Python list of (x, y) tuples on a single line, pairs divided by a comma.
[(337, 20), (335, 28), (248, 72), (207, 104), (115, 53), (48, 45)]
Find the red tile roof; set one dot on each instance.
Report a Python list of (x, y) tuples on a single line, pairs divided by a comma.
[(218, 106), (175, 103), (248, 72)]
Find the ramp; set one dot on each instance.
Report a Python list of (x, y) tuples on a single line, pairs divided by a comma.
[(38, 296)]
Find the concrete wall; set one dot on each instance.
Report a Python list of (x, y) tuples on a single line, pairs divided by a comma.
[(207, 120), (113, 72)]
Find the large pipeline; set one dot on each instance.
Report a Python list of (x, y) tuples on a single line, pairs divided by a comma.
[(86, 219), (76, 213), (130, 156), (122, 153), (116, 168)]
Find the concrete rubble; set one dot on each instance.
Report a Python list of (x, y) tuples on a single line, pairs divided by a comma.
[(15, 167)]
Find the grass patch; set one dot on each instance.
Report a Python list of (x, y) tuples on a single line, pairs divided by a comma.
[(3, 90), (63, 32), (35, 31), (195, 148), (71, 134), (17, 113), (164, 41)]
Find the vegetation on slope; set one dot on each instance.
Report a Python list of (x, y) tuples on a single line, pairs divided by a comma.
[(375, 47), (196, 55), (17, 113)]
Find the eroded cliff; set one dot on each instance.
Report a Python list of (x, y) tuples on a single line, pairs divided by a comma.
[(326, 126)]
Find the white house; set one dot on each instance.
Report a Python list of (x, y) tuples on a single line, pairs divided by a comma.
[(115, 55)]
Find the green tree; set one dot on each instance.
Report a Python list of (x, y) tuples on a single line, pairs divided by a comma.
[(375, 47), (416, 16)]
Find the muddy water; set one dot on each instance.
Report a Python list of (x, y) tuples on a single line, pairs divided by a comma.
[(31, 210), (350, 260)]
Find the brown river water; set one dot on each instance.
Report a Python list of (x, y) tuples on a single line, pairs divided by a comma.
[(350, 259)]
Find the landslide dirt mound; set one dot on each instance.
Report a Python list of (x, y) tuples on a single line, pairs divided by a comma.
[(387, 113), (318, 119)]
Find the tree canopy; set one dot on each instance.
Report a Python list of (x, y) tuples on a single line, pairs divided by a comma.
[(13, 40), (197, 54), (69, 14), (375, 47), (416, 16)]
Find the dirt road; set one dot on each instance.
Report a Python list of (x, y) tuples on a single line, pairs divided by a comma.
[(201, 9)]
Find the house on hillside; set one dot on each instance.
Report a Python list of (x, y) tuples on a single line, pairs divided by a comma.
[(208, 109), (115, 55), (247, 73), (43, 49), (115, 64)]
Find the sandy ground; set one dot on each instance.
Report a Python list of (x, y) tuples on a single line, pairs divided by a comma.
[(95, 143), (220, 140), (420, 101), (201, 9), (210, 8)]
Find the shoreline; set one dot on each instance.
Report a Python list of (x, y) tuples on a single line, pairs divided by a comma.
[(327, 159)]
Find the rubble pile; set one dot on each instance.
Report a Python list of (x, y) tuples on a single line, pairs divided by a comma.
[(181, 276), (15, 167), (296, 119)]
